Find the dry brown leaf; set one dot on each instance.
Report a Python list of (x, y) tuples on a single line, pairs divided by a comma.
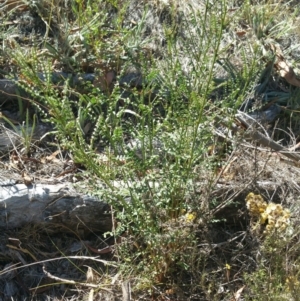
[(14, 161), (90, 275), (287, 73), (104, 82), (52, 157), (240, 33), (171, 291), (283, 68), (26, 178), (68, 171), (238, 293)]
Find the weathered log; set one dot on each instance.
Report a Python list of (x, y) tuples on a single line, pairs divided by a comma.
[(18, 135), (46, 205), (11, 90), (132, 78)]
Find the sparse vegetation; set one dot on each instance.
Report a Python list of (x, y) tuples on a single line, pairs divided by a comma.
[(160, 102)]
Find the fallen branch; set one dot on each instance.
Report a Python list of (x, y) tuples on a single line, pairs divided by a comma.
[(58, 205), (254, 134)]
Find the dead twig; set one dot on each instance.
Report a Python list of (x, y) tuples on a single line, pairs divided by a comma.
[(265, 141)]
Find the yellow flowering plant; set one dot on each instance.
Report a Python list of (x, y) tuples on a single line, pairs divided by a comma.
[(273, 215)]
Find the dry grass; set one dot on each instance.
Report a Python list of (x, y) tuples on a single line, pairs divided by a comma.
[(188, 236)]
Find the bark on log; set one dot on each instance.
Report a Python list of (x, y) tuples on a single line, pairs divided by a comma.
[(10, 90), (46, 205), (133, 78)]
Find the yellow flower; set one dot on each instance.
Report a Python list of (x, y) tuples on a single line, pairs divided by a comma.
[(255, 204), (190, 217), (263, 217), (291, 283), (273, 214), (227, 266), (286, 213)]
